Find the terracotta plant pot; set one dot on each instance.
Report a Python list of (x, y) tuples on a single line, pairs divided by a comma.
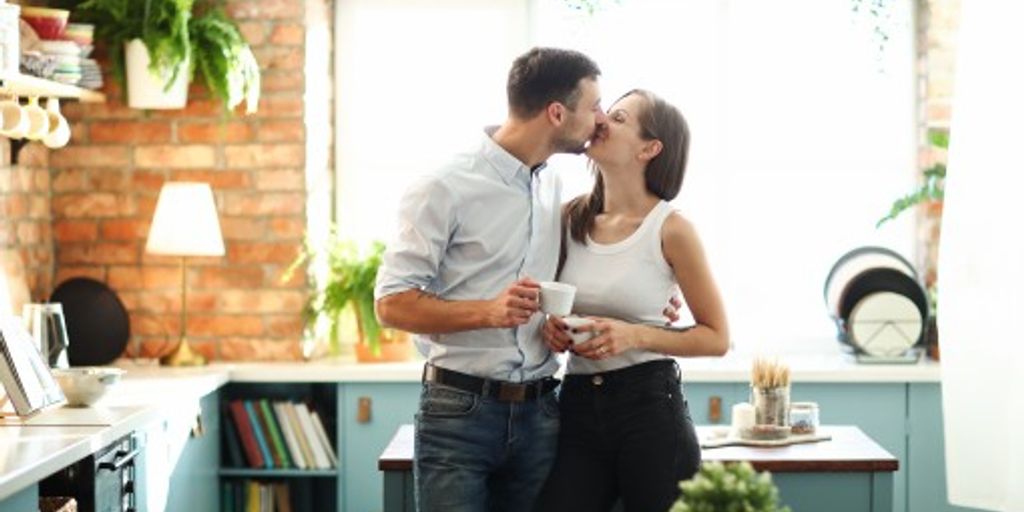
[(395, 346)]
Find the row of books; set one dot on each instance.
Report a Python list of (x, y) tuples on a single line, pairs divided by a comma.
[(277, 434), (253, 496)]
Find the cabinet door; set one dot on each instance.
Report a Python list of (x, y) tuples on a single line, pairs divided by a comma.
[(390, 405), (880, 410), (926, 487), (702, 396), (192, 456)]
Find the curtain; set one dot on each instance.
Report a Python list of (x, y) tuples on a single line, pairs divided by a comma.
[(981, 264)]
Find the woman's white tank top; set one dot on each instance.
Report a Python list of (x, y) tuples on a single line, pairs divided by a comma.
[(628, 280)]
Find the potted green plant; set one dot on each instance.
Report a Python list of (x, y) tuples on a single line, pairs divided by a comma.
[(930, 195), (342, 280), (165, 41), (721, 487)]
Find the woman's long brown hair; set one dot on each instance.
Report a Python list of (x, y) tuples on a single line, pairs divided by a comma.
[(663, 176)]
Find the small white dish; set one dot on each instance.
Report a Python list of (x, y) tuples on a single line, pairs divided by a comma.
[(84, 386)]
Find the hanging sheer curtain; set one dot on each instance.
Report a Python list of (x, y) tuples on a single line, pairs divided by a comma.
[(981, 265)]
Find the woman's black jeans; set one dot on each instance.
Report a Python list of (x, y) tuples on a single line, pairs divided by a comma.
[(625, 434)]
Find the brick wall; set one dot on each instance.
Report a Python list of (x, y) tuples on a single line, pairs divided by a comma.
[(106, 182), (938, 21), (26, 248)]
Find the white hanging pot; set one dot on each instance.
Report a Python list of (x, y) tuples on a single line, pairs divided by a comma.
[(148, 89)]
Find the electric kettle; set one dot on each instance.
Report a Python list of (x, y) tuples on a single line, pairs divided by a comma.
[(46, 324)]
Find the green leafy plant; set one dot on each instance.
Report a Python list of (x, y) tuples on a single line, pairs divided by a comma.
[(349, 280), (734, 487), (162, 25), (208, 41), (933, 188)]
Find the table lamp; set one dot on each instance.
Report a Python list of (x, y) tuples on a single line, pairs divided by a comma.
[(185, 224)]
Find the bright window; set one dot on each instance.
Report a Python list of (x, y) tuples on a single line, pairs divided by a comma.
[(803, 129)]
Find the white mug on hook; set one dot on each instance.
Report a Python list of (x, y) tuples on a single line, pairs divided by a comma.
[(59, 133), (13, 121)]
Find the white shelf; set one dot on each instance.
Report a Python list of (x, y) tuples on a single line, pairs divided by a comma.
[(26, 85)]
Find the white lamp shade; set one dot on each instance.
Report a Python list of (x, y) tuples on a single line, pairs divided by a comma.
[(185, 222)]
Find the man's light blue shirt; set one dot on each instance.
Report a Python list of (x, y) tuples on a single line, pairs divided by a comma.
[(466, 232)]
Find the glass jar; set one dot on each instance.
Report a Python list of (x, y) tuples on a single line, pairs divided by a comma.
[(771, 405), (803, 417)]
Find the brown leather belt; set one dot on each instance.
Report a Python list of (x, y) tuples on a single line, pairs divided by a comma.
[(502, 391)]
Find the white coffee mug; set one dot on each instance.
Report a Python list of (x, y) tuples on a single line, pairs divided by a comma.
[(576, 323), (556, 298), (60, 132), (13, 121), (38, 121)]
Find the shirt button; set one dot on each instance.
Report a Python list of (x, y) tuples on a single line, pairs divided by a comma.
[(597, 380)]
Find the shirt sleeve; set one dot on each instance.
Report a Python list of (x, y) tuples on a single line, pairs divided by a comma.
[(426, 221)]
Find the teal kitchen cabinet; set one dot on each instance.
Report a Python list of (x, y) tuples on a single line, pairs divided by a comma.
[(701, 396), (364, 436), (25, 500), (193, 444), (926, 485), (880, 410)]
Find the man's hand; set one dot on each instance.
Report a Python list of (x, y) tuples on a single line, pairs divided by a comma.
[(515, 305), (554, 334)]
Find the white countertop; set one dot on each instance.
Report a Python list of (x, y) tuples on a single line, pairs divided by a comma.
[(32, 449)]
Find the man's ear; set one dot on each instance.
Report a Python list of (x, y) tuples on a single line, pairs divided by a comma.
[(555, 113), (651, 149)]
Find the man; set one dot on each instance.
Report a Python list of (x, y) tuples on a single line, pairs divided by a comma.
[(474, 238)]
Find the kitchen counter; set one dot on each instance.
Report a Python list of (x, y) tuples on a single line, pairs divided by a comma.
[(33, 449)]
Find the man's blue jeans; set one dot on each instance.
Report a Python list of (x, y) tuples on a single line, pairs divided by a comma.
[(476, 454)]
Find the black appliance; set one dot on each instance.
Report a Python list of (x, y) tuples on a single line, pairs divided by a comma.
[(101, 482)]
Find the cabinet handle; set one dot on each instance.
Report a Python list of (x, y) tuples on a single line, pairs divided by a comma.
[(121, 458), (364, 411), (715, 409)]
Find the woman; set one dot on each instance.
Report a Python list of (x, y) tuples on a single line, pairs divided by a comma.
[(626, 431)]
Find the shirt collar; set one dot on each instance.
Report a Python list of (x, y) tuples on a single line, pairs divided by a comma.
[(509, 167)]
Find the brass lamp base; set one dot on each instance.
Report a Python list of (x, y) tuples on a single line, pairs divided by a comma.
[(183, 355)]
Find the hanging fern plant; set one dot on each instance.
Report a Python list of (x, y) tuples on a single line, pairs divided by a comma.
[(177, 40)]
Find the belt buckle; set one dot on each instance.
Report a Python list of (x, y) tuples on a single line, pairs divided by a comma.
[(508, 392)]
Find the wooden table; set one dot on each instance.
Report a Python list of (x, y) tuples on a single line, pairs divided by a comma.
[(849, 473)]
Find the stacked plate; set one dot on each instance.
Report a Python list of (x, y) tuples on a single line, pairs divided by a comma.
[(68, 56), (877, 302)]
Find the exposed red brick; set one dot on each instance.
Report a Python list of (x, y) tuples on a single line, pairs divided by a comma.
[(75, 231), (105, 204), (254, 32), (91, 156), (285, 326), (260, 349), (226, 277), (221, 131), (217, 179), (261, 252), (289, 130), (16, 206), (34, 155), (280, 57), (98, 253), (243, 228), (265, 9), (225, 325), (125, 229), (288, 227), (148, 180), (29, 233), (66, 272), (259, 204), (112, 180), (66, 180), (280, 106), (175, 156), (145, 132), (265, 155), (288, 34), (281, 180), (282, 81)]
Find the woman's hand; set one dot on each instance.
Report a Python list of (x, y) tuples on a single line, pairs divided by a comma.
[(554, 333), (613, 337)]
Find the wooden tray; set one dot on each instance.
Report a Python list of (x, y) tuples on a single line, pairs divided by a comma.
[(712, 442)]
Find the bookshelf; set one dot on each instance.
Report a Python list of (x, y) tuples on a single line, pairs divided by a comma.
[(313, 488)]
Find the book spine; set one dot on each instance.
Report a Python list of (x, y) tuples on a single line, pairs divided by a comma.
[(261, 440), (241, 420), (289, 435), (275, 435)]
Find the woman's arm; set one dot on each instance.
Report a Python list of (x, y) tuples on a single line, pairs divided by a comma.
[(708, 337)]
